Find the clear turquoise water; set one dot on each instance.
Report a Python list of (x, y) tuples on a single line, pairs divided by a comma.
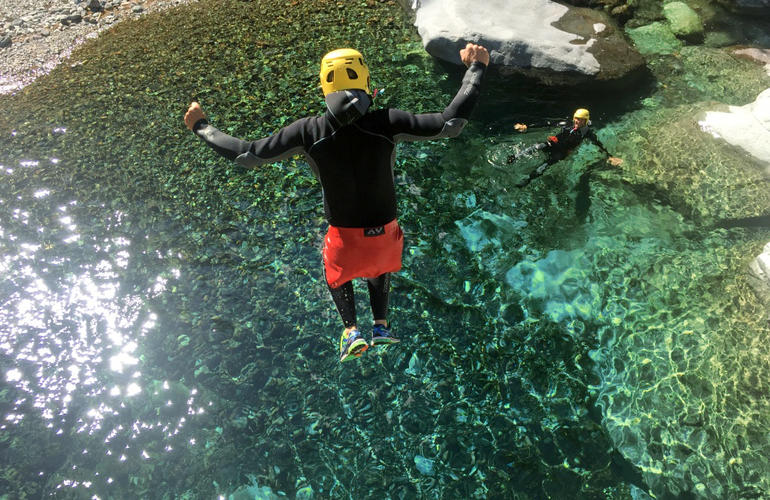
[(166, 333)]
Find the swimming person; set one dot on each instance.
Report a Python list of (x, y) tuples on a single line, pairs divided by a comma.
[(351, 151), (557, 147)]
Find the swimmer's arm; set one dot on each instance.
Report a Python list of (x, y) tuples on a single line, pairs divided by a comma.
[(612, 160), (284, 144)]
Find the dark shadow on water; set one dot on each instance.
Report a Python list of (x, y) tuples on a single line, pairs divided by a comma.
[(583, 190), (760, 221)]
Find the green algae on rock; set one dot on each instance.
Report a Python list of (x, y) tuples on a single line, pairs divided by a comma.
[(684, 21), (654, 39)]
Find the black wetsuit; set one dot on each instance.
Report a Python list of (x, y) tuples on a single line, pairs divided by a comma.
[(351, 150), (557, 147)]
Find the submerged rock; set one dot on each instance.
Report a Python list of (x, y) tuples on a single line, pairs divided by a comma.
[(747, 127), (424, 465), (539, 38), (761, 56), (483, 230), (684, 21), (759, 274), (305, 493), (556, 286), (656, 38)]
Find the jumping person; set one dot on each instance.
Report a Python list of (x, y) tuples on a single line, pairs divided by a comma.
[(350, 149), (557, 147)]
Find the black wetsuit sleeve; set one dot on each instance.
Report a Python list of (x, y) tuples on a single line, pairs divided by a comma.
[(407, 126), (593, 137), (285, 143), (548, 124)]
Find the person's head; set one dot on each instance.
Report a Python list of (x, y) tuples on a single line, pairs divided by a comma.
[(580, 118), (344, 69)]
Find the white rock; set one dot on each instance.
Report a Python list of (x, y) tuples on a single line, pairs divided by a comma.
[(518, 32), (747, 127)]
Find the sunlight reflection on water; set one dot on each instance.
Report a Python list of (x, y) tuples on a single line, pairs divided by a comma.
[(70, 336), (60, 331)]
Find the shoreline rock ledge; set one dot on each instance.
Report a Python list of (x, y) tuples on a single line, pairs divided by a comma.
[(554, 43)]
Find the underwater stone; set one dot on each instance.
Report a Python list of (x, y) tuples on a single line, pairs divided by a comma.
[(202, 371), (761, 56), (305, 493), (556, 286), (415, 365), (482, 230), (684, 21), (759, 274), (639, 494), (424, 465), (253, 491), (655, 38)]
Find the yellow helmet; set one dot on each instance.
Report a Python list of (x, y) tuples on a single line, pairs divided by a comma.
[(581, 113), (344, 69)]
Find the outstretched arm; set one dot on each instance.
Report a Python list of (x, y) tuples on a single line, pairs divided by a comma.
[(450, 122), (279, 146), (612, 160), (543, 123)]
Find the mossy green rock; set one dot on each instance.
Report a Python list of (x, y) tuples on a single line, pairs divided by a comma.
[(684, 21), (655, 38)]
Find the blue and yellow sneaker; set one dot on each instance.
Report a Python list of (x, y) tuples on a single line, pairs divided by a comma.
[(352, 345), (381, 335)]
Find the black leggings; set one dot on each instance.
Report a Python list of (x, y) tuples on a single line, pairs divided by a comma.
[(552, 157), (379, 293)]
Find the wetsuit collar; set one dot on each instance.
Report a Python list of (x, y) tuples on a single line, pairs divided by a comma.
[(346, 106), (583, 130)]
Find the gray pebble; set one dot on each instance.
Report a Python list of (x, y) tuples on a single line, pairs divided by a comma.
[(72, 19)]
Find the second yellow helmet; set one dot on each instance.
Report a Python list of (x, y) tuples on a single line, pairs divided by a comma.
[(344, 69)]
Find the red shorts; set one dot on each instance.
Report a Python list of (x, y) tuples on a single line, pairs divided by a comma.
[(354, 252)]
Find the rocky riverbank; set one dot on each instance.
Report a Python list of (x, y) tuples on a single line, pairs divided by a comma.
[(35, 38)]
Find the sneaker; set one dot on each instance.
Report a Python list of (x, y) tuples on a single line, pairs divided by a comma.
[(352, 345), (381, 335)]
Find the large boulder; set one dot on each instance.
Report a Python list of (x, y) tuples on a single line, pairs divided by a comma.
[(540, 38), (747, 127)]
